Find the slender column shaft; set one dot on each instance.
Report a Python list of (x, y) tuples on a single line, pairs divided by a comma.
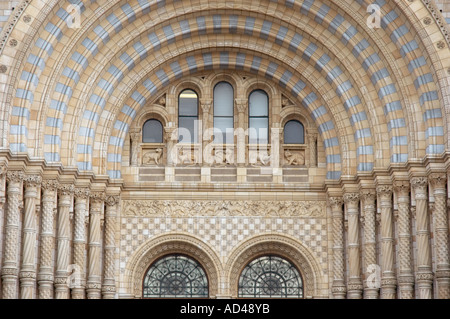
[(94, 277), (12, 233), (109, 284), (354, 259), (28, 270), (2, 214), (388, 279), (424, 275), (372, 284), (441, 246), (406, 276), (47, 239), (312, 138), (136, 137), (338, 287), (62, 259), (79, 243), (241, 106)]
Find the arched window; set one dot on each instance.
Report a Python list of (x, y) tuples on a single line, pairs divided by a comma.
[(223, 113), (175, 276), (270, 277), (152, 132), (294, 133), (258, 117), (187, 117)]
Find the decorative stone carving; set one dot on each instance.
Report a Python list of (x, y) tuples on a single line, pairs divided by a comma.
[(185, 208), (294, 157), (112, 200), (152, 157)]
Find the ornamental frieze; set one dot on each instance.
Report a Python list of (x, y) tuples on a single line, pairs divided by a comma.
[(187, 208)]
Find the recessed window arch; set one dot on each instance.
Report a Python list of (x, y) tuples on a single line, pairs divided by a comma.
[(223, 113), (152, 131), (270, 277), (175, 276), (188, 116), (258, 117), (294, 132)]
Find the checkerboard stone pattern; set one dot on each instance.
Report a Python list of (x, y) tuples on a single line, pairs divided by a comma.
[(223, 233)]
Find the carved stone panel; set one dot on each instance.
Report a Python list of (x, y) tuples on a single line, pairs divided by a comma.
[(185, 208)]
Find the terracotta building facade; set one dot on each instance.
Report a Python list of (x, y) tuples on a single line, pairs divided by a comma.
[(224, 149)]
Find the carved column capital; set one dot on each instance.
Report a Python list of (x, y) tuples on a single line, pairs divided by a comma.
[(3, 169), (384, 191), (419, 184), (368, 195), (97, 197), (438, 180), (312, 137), (82, 193), (351, 199), (336, 202), (32, 180), (15, 176), (205, 104), (402, 188), (112, 200), (50, 184), (66, 189), (135, 135), (241, 105)]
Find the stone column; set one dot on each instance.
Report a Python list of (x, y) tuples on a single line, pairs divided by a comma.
[(354, 259), (338, 287), (109, 284), (240, 145), (28, 270), (405, 268), (388, 279), (10, 267), (94, 282), (440, 223), (79, 242), (47, 239), (370, 244), (136, 138), (312, 138), (63, 233), (2, 214), (424, 276), (205, 139)]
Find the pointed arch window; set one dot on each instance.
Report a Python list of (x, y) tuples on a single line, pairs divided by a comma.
[(223, 113), (188, 116), (270, 277), (152, 132), (294, 132), (258, 117), (175, 276)]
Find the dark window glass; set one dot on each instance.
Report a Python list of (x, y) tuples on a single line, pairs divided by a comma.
[(152, 132), (175, 276), (294, 133), (187, 117), (258, 121), (270, 277), (223, 113)]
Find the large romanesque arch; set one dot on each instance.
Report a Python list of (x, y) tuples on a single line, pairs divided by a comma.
[(374, 165)]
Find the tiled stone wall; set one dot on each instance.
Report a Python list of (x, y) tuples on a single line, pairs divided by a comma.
[(6, 8)]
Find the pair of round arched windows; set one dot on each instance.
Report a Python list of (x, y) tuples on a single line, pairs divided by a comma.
[(179, 276)]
